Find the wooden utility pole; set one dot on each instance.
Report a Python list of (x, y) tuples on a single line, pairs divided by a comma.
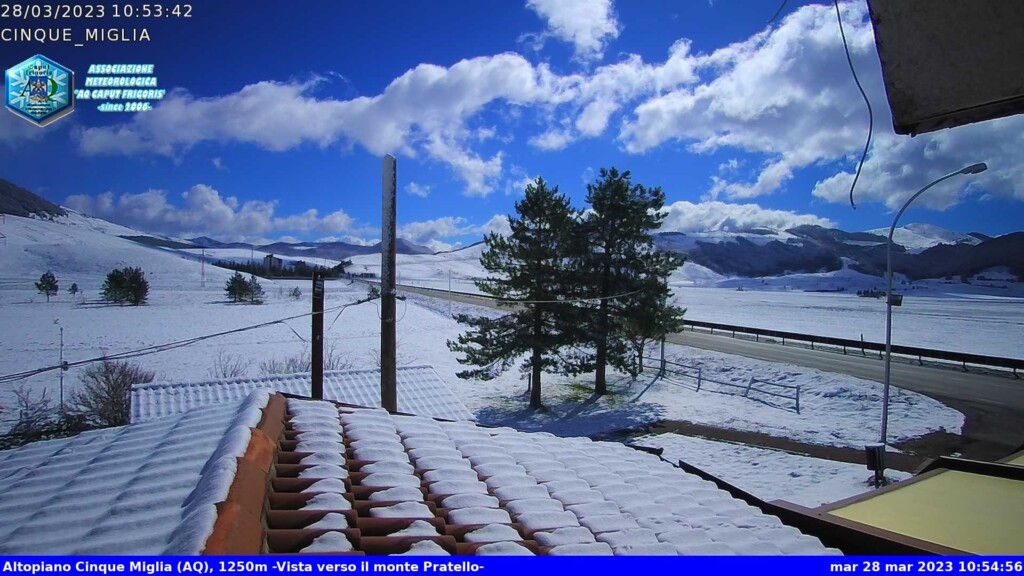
[(317, 393), (388, 376)]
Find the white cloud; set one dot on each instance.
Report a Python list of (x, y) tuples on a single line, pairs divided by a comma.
[(517, 181), (786, 94), (478, 173), (780, 101), (14, 130), (417, 190), (603, 93), (423, 111), (217, 163), (498, 224), (449, 231), (589, 25), (899, 166), (425, 231), (715, 216), (204, 213), (438, 246), (349, 239), (553, 139)]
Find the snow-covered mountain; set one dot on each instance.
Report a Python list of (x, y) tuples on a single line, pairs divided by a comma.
[(919, 237), (805, 257), (931, 252), (83, 250)]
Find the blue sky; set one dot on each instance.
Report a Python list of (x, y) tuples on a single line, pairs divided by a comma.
[(276, 121)]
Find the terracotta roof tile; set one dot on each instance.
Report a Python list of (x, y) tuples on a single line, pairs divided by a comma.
[(351, 480)]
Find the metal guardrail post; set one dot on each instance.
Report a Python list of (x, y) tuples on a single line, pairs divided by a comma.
[(798, 399)]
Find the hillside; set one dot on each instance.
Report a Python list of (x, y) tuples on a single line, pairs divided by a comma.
[(17, 201), (83, 250)]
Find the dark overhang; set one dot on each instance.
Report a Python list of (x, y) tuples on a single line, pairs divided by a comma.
[(947, 63)]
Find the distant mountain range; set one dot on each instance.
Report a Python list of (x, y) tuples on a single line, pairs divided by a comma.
[(920, 250), (932, 252), (330, 250)]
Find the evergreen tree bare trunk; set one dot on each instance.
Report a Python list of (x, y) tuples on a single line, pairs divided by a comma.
[(601, 355)]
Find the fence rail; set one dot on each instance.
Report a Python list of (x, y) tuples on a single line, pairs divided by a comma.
[(962, 358)]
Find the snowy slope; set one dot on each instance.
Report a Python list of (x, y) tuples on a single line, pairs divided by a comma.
[(83, 250), (919, 237), (770, 474), (431, 270), (245, 255)]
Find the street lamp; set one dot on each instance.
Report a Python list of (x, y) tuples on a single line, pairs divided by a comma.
[(972, 169)]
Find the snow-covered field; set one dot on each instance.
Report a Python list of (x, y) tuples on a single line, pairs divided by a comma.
[(770, 474), (972, 323), (976, 324), (835, 409)]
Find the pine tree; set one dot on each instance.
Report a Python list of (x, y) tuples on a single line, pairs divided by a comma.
[(237, 288), (254, 291), (47, 284), (73, 290), (530, 266), (649, 316), (629, 274), (126, 285)]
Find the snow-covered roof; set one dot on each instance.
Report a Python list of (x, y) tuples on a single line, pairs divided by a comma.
[(344, 479), (420, 391), (506, 492), (147, 488)]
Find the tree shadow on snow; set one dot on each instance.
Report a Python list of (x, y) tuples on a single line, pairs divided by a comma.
[(573, 414)]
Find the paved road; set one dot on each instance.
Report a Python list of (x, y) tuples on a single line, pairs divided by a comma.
[(941, 382), (1003, 391)]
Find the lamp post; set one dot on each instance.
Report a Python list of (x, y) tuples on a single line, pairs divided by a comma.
[(972, 169)]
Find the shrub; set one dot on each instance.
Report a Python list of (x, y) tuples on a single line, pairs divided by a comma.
[(47, 284), (106, 397), (229, 366), (126, 285), (295, 293), (37, 420), (334, 359)]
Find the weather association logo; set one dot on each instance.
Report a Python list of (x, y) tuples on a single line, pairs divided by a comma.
[(39, 90)]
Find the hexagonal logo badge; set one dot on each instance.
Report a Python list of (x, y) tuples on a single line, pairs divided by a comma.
[(39, 90)]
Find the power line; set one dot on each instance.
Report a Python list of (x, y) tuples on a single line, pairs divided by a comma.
[(871, 114), (166, 346)]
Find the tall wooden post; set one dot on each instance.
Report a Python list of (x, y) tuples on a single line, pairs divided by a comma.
[(317, 393), (388, 376)]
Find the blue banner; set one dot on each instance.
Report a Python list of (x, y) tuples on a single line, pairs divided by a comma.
[(510, 566)]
